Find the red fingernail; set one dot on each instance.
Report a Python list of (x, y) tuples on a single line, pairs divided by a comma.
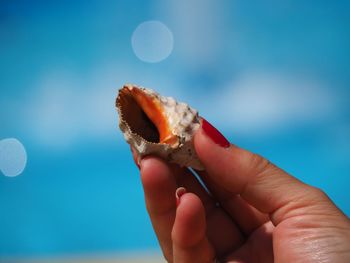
[(179, 192), (214, 134)]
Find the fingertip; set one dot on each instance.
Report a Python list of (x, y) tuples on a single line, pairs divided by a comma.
[(205, 142), (227, 166), (212, 155), (154, 172), (151, 164), (190, 206), (146, 161)]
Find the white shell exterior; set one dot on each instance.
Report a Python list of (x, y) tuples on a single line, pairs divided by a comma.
[(183, 122)]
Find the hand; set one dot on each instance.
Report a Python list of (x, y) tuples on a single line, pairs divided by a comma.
[(255, 211)]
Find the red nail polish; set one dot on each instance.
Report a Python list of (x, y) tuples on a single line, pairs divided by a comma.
[(214, 134), (179, 192)]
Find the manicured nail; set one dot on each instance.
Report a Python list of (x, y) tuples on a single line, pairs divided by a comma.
[(179, 192), (214, 134)]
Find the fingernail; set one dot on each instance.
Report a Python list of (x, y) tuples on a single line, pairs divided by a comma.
[(214, 134), (179, 192)]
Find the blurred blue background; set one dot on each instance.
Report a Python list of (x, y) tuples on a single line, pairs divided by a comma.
[(273, 76)]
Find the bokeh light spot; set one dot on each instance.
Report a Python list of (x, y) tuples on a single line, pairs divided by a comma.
[(152, 41), (13, 157)]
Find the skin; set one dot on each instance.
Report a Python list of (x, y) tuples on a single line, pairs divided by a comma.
[(256, 212)]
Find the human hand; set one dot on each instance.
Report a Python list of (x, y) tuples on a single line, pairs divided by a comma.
[(255, 211)]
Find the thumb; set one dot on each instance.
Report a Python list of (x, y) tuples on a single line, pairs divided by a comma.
[(262, 184)]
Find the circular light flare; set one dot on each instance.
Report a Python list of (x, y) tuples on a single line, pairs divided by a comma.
[(13, 157), (152, 41)]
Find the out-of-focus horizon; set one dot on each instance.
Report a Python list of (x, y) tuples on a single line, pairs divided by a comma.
[(272, 76)]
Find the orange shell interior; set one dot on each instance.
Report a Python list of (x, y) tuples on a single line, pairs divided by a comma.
[(154, 110)]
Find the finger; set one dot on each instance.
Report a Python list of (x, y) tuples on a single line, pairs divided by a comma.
[(159, 187), (184, 177), (222, 231), (190, 243), (246, 217), (261, 184)]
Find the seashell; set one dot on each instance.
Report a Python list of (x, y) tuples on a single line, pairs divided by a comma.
[(157, 125)]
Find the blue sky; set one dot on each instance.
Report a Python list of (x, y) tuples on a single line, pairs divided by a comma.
[(273, 76)]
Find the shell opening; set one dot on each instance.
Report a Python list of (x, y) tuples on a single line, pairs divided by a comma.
[(136, 118)]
